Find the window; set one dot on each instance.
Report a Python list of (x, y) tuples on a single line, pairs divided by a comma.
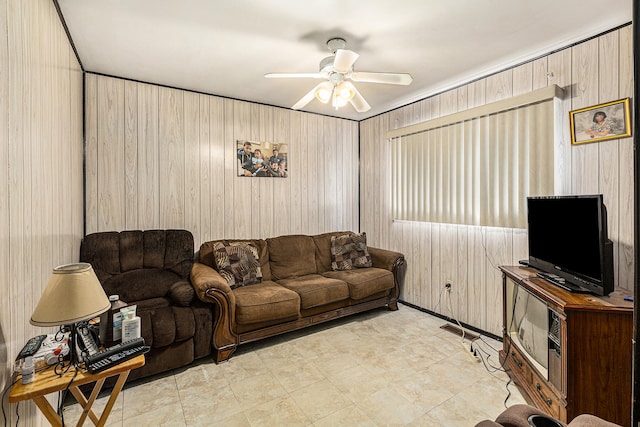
[(476, 167)]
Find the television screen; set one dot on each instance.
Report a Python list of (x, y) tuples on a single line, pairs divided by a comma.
[(528, 325), (568, 238)]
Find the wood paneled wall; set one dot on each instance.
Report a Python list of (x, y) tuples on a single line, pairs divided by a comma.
[(41, 193), (592, 72), (159, 157)]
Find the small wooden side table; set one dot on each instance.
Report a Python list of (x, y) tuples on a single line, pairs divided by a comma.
[(47, 381)]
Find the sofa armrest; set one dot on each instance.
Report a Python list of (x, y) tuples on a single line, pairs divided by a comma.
[(383, 258), (211, 287), (205, 279), (395, 263)]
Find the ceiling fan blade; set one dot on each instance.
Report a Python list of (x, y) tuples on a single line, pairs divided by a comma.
[(388, 78), (308, 97), (296, 75), (358, 102), (344, 60)]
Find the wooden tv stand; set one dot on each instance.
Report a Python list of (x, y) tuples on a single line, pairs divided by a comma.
[(590, 370)]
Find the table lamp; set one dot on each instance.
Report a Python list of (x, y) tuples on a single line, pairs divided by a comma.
[(73, 294)]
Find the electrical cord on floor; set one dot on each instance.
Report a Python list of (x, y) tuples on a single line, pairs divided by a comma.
[(490, 367)]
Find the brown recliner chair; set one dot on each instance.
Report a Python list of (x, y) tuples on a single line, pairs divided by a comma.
[(518, 416), (151, 269)]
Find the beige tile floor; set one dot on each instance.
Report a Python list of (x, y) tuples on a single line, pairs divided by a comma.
[(380, 368)]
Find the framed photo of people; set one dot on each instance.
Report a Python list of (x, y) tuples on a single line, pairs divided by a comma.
[(262, 159), (600, 122)]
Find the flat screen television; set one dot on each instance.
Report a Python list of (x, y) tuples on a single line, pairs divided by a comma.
[(568, 242)]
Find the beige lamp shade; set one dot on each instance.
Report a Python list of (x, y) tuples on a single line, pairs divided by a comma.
[(73, 294)]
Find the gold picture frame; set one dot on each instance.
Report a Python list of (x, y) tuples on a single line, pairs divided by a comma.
[(601, 122)]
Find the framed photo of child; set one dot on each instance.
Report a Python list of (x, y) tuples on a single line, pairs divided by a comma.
[(261, 159), (600, 122)]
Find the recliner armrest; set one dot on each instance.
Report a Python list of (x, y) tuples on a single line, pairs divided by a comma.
[(182, 293)]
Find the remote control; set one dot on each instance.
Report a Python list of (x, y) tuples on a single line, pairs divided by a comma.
[(109, 351), (31, 347)]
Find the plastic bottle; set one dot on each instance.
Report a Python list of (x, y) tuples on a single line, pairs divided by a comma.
[(130, 326), (28, 370), (111, 322)]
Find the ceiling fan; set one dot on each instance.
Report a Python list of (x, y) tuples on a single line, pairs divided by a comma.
[(337, 69)]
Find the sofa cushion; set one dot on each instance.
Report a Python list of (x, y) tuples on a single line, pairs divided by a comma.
[(316, 290), (238, 263), (265, 301), (349, 251), (206, 254), (291, 256), (364, 282)]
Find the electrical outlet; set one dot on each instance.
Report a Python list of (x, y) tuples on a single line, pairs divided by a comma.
[(447, 286), (471, 352)]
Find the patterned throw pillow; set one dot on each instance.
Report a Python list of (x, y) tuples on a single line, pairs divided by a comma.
[(238, 263), (349, 251)]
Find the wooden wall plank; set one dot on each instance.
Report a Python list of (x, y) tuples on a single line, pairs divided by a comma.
[(19, 114), (131, 155), (278, 190), (233, 212), (608, 151), (5, 225), (171, 160), (220, 175), (111, 200), (523, 79), (243, 194), (148, 158), (625, 240), (294, 167), (192, 161), (91, 153), (204, 170), (585, 82), (559, 69)]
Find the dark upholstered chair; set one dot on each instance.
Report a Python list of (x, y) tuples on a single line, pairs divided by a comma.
[(518, 415), (151, 269)]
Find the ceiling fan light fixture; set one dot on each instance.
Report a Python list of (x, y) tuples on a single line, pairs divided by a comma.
[(324, 92), (345, 91), (338, 101)]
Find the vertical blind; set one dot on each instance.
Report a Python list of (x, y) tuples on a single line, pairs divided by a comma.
[(477, 167)]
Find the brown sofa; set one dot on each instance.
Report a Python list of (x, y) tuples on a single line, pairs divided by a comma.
[(299, 288), (151, 269)]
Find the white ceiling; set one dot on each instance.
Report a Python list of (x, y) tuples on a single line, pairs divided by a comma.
[(224, 47)]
